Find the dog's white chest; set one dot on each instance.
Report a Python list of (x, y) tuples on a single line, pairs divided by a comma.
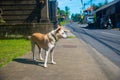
[(51, 45)]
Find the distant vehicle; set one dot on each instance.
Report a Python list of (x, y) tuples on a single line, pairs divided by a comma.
[(106, 23), (90, 19)]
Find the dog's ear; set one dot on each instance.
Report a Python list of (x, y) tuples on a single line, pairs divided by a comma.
[(66, 30), (58, 29), (58, 26)]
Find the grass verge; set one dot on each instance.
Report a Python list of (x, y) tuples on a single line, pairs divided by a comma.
[(71, 36), (12, 48), (64, 22)]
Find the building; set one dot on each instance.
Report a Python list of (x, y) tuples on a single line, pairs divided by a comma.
[(37, 15), (110, 10), (89, 16)]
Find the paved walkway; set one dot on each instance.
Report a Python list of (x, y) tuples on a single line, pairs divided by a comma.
[(74, 62)]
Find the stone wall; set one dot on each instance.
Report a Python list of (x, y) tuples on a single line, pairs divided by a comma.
[(21, 15), (18, 11), (24, 29)]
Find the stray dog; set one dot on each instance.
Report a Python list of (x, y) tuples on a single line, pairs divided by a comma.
[(47, 42)]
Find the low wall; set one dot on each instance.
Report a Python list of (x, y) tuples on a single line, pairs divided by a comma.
[(24, 29)]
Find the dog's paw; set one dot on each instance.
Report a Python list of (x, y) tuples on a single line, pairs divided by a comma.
[(53, 62), (41, 59), (45, 66), (34, 59)]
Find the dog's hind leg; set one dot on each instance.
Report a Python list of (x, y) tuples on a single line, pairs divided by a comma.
[(33, 48), (40, 53)]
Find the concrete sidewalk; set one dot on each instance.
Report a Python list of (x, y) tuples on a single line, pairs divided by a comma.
[(73, 59)]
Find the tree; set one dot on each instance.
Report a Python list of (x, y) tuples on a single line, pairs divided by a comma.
[(67, 11), (97, 6), (63, 14), (76, 17), (72, 17)]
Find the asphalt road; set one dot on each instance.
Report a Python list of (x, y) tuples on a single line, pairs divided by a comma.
[(106, 42)]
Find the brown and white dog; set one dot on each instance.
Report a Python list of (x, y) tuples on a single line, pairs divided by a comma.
[(47, 42)]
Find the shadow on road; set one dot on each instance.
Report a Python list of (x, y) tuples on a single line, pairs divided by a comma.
[(29, 61)]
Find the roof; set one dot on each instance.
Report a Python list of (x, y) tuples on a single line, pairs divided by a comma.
[(107, 5)]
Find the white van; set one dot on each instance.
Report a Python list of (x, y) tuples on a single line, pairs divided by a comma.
[(90, 19)]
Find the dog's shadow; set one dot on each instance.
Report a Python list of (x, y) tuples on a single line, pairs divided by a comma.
[(29, 61)]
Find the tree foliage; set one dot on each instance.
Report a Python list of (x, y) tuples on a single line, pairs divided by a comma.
[(96, 6), (67, 12), (76, 17), (63, 14)]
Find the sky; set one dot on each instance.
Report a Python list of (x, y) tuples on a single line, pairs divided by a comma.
[(75, 5)]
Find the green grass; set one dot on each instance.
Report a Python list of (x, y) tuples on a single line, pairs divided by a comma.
[(12, 48), (71, 36), (64, 22)]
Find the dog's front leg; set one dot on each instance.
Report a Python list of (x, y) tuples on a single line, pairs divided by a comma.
[(46, 57), (52, 56)]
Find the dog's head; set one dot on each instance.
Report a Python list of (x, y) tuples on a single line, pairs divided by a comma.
[(61, 32)]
